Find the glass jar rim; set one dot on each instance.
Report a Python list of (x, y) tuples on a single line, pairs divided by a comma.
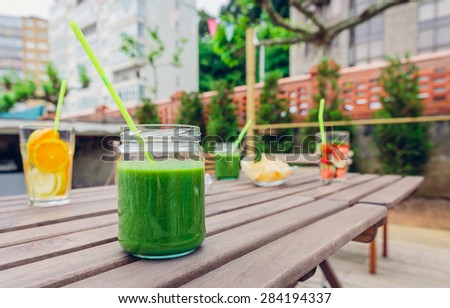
[(162, 132)]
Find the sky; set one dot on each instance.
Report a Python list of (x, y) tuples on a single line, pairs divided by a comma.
[(40, 8)]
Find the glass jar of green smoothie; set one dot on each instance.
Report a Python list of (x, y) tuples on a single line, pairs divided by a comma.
[(161, 191)]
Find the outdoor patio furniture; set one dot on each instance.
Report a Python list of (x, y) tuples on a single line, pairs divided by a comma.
[(390, 196), (288, 231)]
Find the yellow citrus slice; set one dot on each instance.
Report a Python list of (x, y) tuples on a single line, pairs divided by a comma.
[(37, 137), (42, 184), (61, 183), (51, 155)]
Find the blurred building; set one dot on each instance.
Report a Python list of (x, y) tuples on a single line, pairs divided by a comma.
[(11, 44), (35, 47), (415, 28), (102, 22), (23, 46)]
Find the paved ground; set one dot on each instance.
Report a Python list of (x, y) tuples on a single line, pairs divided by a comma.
[(418, 257), (423, 212)]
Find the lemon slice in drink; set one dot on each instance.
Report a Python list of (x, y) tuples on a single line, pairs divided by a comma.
[(338, 163), (43, 184), (61, 183)]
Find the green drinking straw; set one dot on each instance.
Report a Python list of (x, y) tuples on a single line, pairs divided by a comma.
[(80, 36), (241, 135), (321, 125), (62, 92)]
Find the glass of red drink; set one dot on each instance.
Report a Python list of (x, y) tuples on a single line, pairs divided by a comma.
[(334, 160)]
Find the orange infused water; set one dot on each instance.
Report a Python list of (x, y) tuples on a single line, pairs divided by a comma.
[(47, 158), (161, 207)]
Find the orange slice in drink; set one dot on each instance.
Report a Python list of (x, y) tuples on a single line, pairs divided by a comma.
[(37, 137), (51, 155)]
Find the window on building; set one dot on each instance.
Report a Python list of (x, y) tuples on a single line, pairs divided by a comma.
[(30, 55), (43, 56), (89, 30), (10, 42), (29, 23), (434, 25), (141, 91), (140, 29), (31, 66), (42, 24), (367, 39), (443, 8), (30, 33), (42, 34), (30, 45), (140, 8), (42, 46)]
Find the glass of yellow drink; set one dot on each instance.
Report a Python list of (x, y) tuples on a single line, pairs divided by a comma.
[(47, 157)]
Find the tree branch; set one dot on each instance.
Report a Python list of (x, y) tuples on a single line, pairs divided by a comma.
[(373, 10), (322, 36), (303, 8), (278, 20), (285, 41)]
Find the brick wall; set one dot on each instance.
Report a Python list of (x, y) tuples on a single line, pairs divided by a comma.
[(360, 92)]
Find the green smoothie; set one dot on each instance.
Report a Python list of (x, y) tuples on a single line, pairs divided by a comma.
[(161, 207), (227, 165)]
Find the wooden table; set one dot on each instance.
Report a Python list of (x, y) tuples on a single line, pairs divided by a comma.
[(256, 237)]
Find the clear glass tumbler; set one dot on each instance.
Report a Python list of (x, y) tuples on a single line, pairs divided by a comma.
[(334, 159), (226, 162), (47, 157)]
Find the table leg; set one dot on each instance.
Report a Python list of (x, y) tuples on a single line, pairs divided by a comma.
[(330, 274), (373, 257), (385, 235)]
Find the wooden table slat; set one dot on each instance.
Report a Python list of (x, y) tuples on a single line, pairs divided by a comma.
[(32, 217), (250, 188), (22, 199), (46, 248), (392, 194), (255, 198), (325, 190), (355, 193), (53, 230), (216, 250), (284, 261), (64, 269), (228, 220)]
